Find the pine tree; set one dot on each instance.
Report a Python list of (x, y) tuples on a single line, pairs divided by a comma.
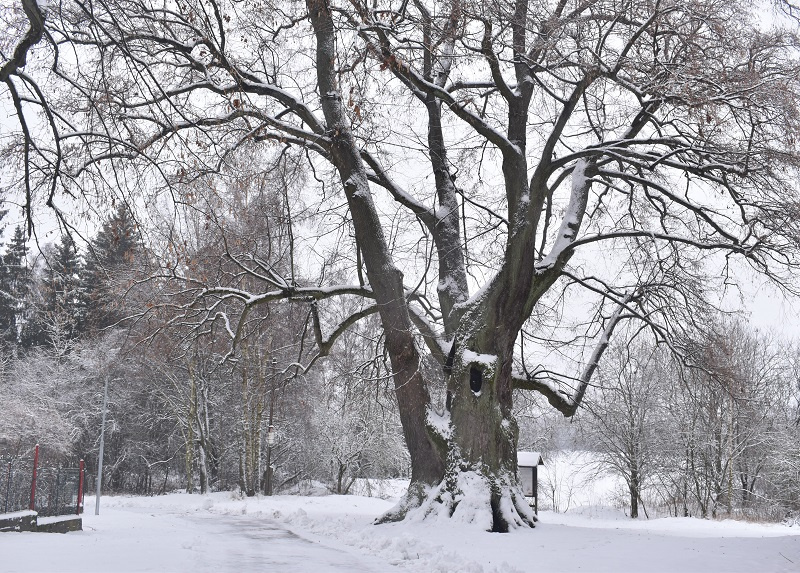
[(64, 309), (16, 309), (113, 251)]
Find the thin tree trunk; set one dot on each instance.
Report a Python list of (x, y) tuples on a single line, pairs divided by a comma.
[(633, 488), (202, 435), (190, 418)]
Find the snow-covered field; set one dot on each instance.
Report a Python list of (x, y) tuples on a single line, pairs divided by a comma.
[(312, 534)]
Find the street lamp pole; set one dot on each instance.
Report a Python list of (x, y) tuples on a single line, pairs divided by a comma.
[(100, 455), (271, 430), (270, 442)]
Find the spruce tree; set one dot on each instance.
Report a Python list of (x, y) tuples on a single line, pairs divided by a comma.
[(16, 308), (64, 312), (112, 252)]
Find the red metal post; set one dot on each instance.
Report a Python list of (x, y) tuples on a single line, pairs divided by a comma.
[(33, 480), (8, 488), (79, 509)]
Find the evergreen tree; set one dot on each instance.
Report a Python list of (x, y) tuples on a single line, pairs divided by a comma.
[(16, 308), (113, 251), (64, 310)]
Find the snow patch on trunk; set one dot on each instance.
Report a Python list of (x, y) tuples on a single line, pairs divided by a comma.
[(472, 500), (440, 423), (571, 222), (470, 357)]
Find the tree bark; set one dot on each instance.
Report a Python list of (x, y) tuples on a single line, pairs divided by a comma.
[(633, 488), (425, 447)]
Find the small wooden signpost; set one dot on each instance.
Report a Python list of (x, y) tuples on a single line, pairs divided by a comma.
[(527, 466)]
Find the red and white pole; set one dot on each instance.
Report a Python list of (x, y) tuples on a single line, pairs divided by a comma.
[(33, 480)]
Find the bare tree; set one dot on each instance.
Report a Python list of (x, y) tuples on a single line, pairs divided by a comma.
[(540, 135), (728, 418), (623, 419)]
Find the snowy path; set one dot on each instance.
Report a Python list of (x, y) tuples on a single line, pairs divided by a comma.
[(125, 540), (222, 533), (240, 543)]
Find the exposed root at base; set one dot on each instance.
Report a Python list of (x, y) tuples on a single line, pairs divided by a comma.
[(412, 500), (494, 504)]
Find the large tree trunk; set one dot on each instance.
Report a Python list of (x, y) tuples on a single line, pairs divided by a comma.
[(468, 470), (425, 447), (481, 484)]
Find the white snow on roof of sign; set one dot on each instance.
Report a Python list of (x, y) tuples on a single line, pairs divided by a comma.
[(529, 459)]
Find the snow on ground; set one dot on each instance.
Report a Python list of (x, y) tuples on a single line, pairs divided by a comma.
[(222, 532), (286, 534)]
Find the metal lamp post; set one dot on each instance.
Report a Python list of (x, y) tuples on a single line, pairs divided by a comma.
[(271, 430), (100, 454), (270, 443)]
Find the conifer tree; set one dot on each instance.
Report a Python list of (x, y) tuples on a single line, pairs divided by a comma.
[(64, 309), (112, 251), (16, 309)]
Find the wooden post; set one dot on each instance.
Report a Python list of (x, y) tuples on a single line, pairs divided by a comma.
[(33, 480)]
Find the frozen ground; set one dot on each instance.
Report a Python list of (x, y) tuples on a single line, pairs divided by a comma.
[(286, 534)]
